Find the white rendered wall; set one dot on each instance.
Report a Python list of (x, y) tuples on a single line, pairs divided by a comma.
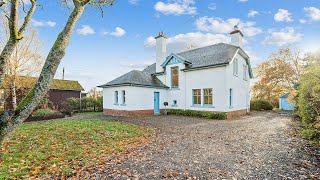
[(241, 87), (137, 98)]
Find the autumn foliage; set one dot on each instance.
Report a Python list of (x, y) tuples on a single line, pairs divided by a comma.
[(277, 75)]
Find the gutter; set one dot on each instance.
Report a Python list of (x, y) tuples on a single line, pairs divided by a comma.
[(205, 67), (133, 85)]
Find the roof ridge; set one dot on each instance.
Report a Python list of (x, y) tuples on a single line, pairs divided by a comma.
[(202, 47)]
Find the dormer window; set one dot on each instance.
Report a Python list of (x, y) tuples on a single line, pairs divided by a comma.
[(175, 77)]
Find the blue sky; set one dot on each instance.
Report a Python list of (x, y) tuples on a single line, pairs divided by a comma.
[(102, 48)]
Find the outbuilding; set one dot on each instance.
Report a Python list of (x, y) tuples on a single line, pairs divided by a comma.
[(284, 103)]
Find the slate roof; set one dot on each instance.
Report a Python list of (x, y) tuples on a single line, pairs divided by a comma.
[(210, 55), (217, 54), (57, 84), (137, 78), (286, 95)]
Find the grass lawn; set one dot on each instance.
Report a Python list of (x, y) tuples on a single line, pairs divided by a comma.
[(62, 147)]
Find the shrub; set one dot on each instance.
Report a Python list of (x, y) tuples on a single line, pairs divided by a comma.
[(308, 102), (259, 105), (43, 112), (86, 104), (200, 114), (310, 134)]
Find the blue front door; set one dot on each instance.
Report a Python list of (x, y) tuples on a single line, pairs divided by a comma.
[(156, 103)]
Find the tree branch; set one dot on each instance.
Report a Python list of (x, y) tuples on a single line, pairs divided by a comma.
[(102, 2), (27, 19)]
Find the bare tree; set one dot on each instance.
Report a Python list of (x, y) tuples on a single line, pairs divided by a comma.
[(26, 60), (57, 52), (16, 32)]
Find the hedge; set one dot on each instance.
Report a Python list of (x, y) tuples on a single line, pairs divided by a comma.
[(200, 114), (260, 105)]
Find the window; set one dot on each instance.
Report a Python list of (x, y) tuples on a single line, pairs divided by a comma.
[(197, 96), (116, 97), (235, 67), (174, 77), (245, 73), (123, 97), (230, 98), (207, 94)]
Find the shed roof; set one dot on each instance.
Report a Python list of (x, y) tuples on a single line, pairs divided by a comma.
[(286, 95), (57, 84)]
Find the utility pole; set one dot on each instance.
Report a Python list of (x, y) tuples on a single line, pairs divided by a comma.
[(63, 74)]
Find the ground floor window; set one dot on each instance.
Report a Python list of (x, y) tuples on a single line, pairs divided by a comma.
[(207, 96), (116, 97), (197, 96), (123, 97), (230, 98)]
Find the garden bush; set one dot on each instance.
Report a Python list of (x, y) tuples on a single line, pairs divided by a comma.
[(200, 114), (308, 102), (260, 105), (86, 104), (43, 112)]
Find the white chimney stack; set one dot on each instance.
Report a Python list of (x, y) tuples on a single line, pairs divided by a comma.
[(236, 37), (161, 51)]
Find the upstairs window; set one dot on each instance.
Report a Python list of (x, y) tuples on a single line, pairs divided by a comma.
[(235, 67), (207, 96), (123, 97), (245, 72), (116, 97), (197, 96), (175, 77)]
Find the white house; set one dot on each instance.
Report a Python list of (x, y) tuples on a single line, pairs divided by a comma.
[(215, 78)]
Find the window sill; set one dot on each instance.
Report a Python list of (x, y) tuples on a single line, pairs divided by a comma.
[(231, 107), (174, 105), (204, 106), (115, 104), (123, 104)]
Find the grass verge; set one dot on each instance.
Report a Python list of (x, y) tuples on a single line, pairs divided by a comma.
[(63, 147)]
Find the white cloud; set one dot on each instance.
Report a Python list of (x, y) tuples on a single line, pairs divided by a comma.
[(243, 0), (134, 2), (85, 30), (176, 7), (283, 15), (182, 41), (302, 21), (285, 36), (212, 6), (252, 13), (36, 23), (313, 13), (219, 25), (118, 32)]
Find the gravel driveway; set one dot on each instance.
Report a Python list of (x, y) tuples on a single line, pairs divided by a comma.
[(259, 146)]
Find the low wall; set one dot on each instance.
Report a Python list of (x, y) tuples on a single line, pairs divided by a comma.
[(113, 112)]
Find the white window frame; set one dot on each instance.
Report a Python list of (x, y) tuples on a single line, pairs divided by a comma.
[(245, 72), (235, 67), (204, 95), (193, 99), (174, 87)]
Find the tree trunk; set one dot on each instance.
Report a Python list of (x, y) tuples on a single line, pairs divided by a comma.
[(36, 94), (13, 94)]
